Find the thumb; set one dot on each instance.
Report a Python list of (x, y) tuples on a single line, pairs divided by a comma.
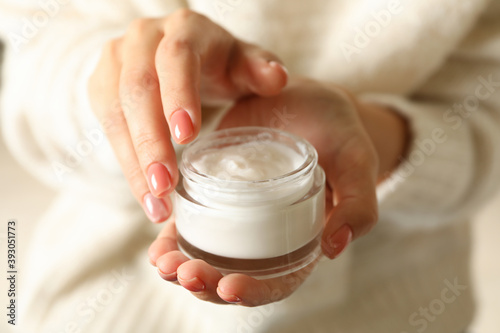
[(355, 212), (257, 71)]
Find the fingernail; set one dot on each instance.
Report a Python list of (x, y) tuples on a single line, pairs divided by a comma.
[(169, 277), (181, 125), (277, 64), (155, 208), (228, 298), (338, 242), (193, 284), (159, 179)]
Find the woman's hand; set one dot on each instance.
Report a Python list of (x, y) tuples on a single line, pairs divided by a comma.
[(151, 83), (357, 144)]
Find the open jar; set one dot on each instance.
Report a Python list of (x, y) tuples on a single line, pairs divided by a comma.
[(251, 200)]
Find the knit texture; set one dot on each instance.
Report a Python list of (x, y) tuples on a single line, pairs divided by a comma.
[(435, 62)]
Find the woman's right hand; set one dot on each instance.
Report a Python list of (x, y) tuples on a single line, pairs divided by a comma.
[(151, 83)]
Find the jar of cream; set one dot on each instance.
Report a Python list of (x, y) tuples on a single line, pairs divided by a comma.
[(251, 200)]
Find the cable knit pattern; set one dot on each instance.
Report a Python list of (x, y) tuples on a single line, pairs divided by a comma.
[(435, 62)]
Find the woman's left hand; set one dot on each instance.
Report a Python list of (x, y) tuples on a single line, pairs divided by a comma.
[(358, 144)]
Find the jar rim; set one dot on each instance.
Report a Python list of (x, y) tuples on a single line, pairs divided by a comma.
[(241, 135)]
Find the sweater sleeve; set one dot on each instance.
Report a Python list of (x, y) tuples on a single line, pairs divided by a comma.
[(52, 48), (452, 166)]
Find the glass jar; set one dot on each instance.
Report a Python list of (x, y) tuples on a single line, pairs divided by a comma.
[(240, 221)]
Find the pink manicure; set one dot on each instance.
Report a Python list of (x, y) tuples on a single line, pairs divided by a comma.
[(159, 179), (194, 284), (168, 277), (181, 126), (273, 63), (155, 208), (339, 241), (228, 298)]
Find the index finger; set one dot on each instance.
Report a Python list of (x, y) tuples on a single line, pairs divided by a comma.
[(197, 59)]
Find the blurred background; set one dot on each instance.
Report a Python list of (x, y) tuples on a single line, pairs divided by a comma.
[(24, 199)]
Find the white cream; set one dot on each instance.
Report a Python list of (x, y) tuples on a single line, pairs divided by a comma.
[(249, 198), (250, 161)]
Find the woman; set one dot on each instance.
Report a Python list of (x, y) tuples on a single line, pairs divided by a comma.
[(399, 98)]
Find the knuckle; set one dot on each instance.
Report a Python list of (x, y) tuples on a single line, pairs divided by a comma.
[(135, 84), (363, 154), (146, 146), (138, 26), (179, 35), (183, 15), (358, 154), (178, 43), (113, 122)]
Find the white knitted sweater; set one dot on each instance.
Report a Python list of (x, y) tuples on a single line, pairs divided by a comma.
[(436, 61)]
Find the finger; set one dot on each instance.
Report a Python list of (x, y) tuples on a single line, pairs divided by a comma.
[(114, 124), (352, 174), (168, 264), (202, 47), (141, 104), (164, 243), (257, 71), (178, 65), (201, 279), (247, 291)]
